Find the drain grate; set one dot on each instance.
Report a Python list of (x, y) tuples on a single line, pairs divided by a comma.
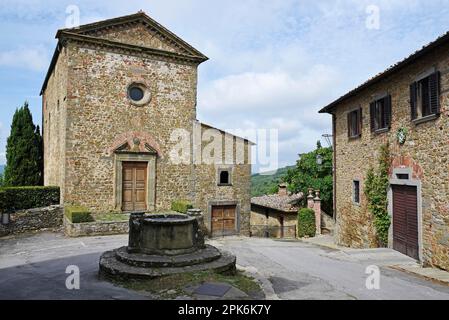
[(211, 289)]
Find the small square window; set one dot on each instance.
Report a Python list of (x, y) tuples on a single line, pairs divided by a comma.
[(224, 178), (356, 191)]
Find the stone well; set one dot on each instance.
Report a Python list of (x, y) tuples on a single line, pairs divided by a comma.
[(164, 244)]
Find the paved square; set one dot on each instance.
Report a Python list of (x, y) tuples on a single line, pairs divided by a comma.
[(34, 267)]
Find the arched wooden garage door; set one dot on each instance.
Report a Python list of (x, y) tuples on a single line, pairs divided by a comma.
[(405, 221)]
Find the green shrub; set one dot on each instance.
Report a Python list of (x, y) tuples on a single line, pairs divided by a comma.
[(77, 214), (21, 198), (181, 206), (306, 223)]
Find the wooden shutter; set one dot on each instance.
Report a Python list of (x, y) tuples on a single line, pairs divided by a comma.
[(434, 86), (360, 121), (387, 111), (349, 124), (372, 111), (413, 100)]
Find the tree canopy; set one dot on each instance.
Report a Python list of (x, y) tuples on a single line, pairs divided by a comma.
[(308, 174), (24, 151)]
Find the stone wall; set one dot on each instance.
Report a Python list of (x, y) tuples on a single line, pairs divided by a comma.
[(99, 111), (54, 109), (99, 228), (260, 224), (136, 34), (426, 153), (206, 182), (33, 220)]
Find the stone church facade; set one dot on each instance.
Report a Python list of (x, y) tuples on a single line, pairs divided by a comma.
[(114, 94)]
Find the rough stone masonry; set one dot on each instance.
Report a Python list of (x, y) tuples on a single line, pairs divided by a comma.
[(92, 126)]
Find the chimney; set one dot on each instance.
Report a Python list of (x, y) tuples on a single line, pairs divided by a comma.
[(283, 190)]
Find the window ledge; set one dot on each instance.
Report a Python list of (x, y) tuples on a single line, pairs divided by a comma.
[(425, 119), (355, 137), (225, 185), (380, 131)]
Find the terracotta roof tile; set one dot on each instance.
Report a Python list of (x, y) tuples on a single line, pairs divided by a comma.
[(289, 203)]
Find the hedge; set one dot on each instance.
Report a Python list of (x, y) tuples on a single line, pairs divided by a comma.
[(306, 223), (78, 214), (181, 206), (22, 198)]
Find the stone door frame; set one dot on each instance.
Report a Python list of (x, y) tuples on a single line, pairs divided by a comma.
[(394, 180), (219, 203), (119, 158)]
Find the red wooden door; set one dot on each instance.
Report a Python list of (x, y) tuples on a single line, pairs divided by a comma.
[(405, 221), (134, 186)]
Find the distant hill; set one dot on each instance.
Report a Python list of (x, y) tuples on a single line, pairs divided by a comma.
[(267, 183), (2, 168)]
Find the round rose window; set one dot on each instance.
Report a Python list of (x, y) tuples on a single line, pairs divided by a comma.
[(136, 94), (139, 94)]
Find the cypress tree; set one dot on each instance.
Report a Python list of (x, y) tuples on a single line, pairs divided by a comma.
[(24, 151)]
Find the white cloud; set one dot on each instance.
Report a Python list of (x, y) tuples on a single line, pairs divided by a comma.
[(35, 58), (273, 64), (253, 91)]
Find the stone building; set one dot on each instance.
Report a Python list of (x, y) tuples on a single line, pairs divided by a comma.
[(407, 108), (119, 98), (275, 215)]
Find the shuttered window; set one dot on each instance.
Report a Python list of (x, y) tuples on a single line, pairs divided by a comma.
[(380, 114), (355, 123), (425, 97)]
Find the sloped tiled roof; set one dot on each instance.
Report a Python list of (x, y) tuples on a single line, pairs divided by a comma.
[(288, 203)]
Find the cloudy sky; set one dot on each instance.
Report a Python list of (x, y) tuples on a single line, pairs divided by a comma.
[(273, 63)]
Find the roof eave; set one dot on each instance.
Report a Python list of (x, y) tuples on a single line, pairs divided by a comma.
[(142, 16), (65, 34), (54, 59), (225, 132)]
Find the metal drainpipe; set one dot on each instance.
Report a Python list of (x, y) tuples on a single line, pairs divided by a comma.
[(334, 164)]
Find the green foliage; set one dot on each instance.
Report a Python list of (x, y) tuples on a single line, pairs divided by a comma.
[(181, 206), (2, 180), (21, 198), (376, 191), (24, 151), (308, 174), (267, 183), (77, 214), (306, 223)]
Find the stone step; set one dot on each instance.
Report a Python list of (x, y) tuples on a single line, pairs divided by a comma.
[(205, 255), (111, 267)]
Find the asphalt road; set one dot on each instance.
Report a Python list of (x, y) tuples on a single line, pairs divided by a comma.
[(296, 270), (34, 267)]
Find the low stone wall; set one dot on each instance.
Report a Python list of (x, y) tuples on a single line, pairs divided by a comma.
[(98, 228), (327, 222), (33, 220)]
